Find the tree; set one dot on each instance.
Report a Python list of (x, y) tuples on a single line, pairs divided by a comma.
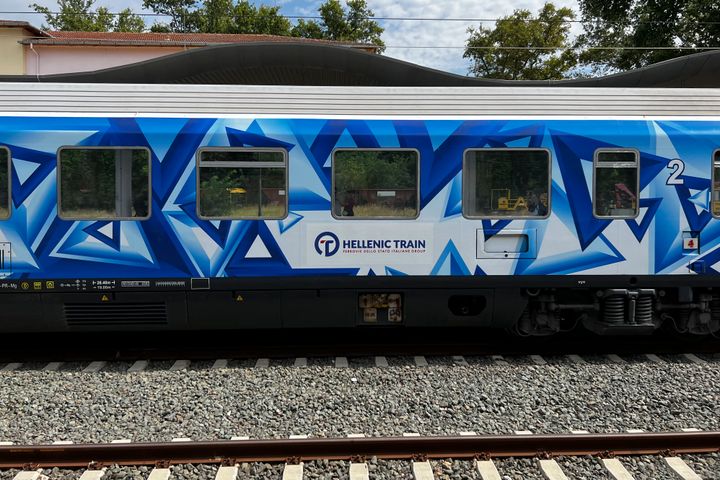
[(311, 29), (541, 47), (219, 16), (259, 20), (352, 25), (127, 21), (181, 13), (77, 15), (619, 34)]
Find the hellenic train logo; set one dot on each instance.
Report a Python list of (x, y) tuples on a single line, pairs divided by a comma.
[(327, 244)]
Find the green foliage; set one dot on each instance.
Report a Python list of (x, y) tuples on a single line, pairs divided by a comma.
[(254, 194), (351, 24), (87, 182), (127, 21), (377, 170), (644, 23), (268, 21), (219, 16), (214, 198), (311, 29), (182, 13), (360, 176), (77, 15), (354, 24), (547, 55)]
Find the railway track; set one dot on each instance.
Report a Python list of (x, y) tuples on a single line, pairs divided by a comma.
[(329, 343), (482, 450), (379, 361), (521, 456)]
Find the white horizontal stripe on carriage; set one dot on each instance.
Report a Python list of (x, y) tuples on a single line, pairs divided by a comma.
[(241, 101)]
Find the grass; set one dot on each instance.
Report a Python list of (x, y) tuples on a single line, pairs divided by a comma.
[(88, 213), (251, 211), (383, 211)]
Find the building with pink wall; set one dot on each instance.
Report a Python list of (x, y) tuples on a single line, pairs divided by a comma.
[(46, 53), (44, 60)]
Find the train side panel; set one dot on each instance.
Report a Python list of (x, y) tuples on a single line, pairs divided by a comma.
[(436, 269)]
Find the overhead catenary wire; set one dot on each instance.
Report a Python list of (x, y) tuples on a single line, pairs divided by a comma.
[(382, 18), (551, 48)]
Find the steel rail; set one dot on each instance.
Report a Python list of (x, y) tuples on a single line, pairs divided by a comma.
[(81, 455), (278, 344)]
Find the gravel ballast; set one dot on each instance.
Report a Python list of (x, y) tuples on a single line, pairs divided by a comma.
[(575, 468), (707, 466), (157, 405)]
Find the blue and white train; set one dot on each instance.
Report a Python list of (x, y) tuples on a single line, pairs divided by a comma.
[(534, 208)]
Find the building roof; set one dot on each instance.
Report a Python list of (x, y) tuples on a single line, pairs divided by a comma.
[(19, 24), (145, 39), (318, 64)]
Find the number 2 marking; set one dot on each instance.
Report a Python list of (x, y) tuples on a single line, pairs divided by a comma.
[(679, 167)]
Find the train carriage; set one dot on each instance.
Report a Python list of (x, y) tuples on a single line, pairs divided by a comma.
[(424, 200)]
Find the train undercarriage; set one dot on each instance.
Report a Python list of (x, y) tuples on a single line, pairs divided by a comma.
[(541, 306), (622, 311)]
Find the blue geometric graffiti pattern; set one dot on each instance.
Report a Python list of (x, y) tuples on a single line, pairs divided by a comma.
[(176, 242), (450, 262), (640, 229)]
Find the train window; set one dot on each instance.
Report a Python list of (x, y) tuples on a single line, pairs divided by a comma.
[(715, 202), (4, 183), (236, 184), (375, 183), (616, 184), (502, 183), (104, 183)]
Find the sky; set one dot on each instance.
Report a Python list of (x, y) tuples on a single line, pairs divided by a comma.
[(405, 40)]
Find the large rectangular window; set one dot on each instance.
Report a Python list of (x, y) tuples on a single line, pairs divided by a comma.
[(375, 183), (506, 183), (616, 184), (235, 184), (715, 203), (104, 183), (4, 183)]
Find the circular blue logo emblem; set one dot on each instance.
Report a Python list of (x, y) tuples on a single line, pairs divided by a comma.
[(327, 244)]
